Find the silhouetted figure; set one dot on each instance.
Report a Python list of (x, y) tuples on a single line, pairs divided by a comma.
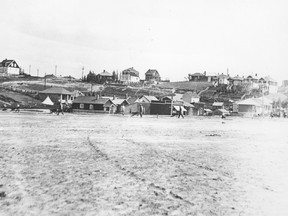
[(60, 109), (180, 112), (141, 110)]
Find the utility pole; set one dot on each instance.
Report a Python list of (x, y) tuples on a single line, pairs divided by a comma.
[(82, 73), (55, 70), (45, 81)]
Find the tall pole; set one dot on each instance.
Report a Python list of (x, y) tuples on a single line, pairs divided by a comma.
[(82, 73), (55, 70), (171, 105), (45, 81)]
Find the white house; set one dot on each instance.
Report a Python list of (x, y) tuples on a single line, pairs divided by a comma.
[(9, 67), (129, 75)]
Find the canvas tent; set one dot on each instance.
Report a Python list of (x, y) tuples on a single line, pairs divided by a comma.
[(48, 101)]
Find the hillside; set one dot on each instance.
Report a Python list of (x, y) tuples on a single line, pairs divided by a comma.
[(185, 86)]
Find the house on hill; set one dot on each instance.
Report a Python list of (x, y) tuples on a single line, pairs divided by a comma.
[(237, 80), (56, 94), (223, 79), (129, 75), (198, 77), (152, 75), (93, 105), (104, 77), (9, 68)]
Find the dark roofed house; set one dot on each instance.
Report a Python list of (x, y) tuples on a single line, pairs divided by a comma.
[(94, 105), (9, 67), (198, 77), (152, 75), (104, 77), (55, 94)]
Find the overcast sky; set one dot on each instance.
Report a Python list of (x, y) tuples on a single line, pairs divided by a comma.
[(174, 37)]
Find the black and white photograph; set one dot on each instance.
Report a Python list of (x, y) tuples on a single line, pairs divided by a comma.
[(143, 108)]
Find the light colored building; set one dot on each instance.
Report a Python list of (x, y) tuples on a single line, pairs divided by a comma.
[(129, 75), (190, 97), (9, 68)]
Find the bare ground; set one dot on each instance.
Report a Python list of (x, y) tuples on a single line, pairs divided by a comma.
[(114, 165)]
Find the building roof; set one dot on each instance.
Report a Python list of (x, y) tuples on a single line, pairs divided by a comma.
[(250, 101), (152, 72), (105, 73), (223, 76), (192, 94), (237, 78), (7, 62), (91, 100), (132, 100), (119, 101), (131, 71), (217, 104), (197, 74), (150, 98), (269, 79), (56, 90)]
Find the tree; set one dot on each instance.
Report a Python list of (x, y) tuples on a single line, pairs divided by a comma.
[(91, 77), (114, 76)]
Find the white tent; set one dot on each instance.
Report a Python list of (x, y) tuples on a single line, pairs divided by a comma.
[(48, 101)]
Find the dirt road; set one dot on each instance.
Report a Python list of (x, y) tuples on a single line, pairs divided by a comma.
[(115, 165)]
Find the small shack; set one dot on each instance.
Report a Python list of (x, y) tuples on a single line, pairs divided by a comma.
[(93, 105)]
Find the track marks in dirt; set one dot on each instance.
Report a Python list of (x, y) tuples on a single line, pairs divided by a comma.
[(157, 189)]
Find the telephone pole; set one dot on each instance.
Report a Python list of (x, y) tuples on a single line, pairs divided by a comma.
[(82, 73), (55, 70)]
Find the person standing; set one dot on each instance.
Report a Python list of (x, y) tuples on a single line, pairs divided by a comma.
[(60, 109), (180, 112), (141, 110), (123, 109)]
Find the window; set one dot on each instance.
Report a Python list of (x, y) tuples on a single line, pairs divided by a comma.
[(91, 107), (81, 106)]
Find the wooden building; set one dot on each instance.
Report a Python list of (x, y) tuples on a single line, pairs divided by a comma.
[(93, 105)]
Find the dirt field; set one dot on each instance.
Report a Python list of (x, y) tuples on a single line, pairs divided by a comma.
[(114, 165)]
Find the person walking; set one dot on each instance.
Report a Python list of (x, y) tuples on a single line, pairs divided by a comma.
[(180, 112), (60, 109)]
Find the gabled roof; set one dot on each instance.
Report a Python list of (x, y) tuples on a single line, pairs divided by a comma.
[(131, 71), (119, 101), (217, 104), (132, 100), (7, 62), (84, 99), (150, 98), (105, 73), (151, 72), (250, 101), (223, 76), (56, 90), (197, 74), (237, 78), (91, 100)]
